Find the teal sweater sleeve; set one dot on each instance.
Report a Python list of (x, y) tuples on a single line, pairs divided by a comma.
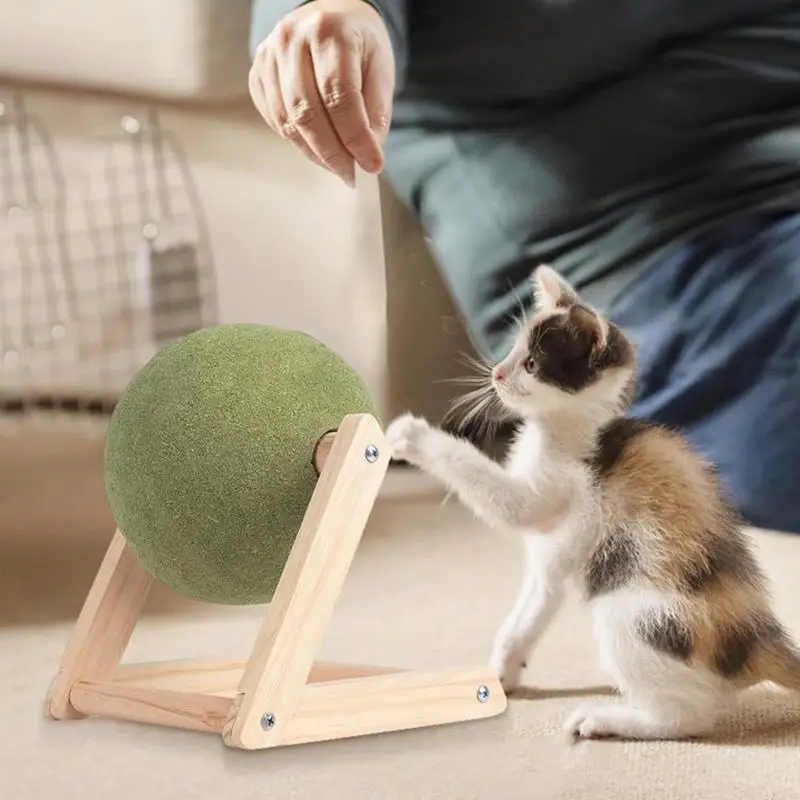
[(266, 14)]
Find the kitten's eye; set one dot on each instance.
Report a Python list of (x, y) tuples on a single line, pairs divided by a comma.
[(530, 365)]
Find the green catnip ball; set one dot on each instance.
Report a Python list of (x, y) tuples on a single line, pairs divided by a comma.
[(209, 455)]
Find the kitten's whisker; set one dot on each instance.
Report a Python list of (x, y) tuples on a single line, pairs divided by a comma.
[(474, 408), (539, 335), (466, 379), (480, 364), (464, 406), (521, 318), (520, 301), (476, 397)]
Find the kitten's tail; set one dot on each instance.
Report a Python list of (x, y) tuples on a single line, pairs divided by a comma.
[(779, 662)]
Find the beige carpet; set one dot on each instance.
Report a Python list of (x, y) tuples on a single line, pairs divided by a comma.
[(427, 589)]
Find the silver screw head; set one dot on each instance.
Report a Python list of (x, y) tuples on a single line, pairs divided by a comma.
[(483, 694), (268, 721), (371, 453)]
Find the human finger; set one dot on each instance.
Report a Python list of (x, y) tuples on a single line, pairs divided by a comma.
[(307, 115), (337, 69), (283, 124)]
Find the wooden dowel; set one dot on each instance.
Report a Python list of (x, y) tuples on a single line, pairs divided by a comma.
[(322, 450)]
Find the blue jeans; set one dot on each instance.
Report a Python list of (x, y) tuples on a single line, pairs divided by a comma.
[(717, 326)]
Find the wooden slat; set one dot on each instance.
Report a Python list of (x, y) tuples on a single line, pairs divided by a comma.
[(311, 581), (387, 703), (104, 627), (223, 677), (118, 700)]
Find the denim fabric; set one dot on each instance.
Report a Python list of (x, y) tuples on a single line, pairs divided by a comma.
[(717, 326)]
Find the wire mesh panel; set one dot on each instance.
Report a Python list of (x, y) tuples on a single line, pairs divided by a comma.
[(98, 273)]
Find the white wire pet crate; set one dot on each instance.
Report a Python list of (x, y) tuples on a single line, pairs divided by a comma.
[(98, 272)]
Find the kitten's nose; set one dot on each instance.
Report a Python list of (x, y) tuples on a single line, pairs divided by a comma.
[(498, 375)]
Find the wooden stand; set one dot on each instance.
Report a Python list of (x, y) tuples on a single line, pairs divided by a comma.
[(280, 696)]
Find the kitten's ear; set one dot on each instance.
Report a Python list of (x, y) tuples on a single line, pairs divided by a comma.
[(590, 325), (551, 291)]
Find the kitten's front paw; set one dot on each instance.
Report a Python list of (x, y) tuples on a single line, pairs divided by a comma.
[(509, 667), (406, 435)]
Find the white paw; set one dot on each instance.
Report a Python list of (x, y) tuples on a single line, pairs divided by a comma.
[(588, 721), (406, 436), (604, 719), (508, 666)]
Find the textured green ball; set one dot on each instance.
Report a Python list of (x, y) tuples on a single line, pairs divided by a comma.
[(209, 455)]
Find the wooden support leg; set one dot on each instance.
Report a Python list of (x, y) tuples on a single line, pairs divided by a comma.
[(392, 702), (104, 627), (312, 580)]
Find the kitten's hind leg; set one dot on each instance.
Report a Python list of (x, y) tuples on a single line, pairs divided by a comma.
[(538, 600), (602, 719), (664, 696)]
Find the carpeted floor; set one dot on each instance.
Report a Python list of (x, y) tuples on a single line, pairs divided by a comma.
[(428, 588)]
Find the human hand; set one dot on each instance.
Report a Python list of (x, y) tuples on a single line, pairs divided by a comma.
[(324, 80)]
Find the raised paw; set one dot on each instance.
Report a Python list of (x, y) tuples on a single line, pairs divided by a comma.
[(406, 436)]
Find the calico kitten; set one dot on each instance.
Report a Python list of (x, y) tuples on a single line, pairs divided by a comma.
[(681, 615)]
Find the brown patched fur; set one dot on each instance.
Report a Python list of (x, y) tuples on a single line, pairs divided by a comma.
[(683, 538)]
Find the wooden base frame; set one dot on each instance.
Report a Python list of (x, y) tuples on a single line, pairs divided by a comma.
[(280, 695)]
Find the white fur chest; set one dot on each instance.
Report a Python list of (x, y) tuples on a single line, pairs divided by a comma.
[(526, 456), (545, 467)]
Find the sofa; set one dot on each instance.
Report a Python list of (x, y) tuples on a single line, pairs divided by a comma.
[(87, 89)]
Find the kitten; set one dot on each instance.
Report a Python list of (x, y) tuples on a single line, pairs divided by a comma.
[(625, 509)]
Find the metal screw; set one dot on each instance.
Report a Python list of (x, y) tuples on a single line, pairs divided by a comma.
[(268, 721), (58, 331), (14, 211), (483, 694), (130, 124), (371, 453)]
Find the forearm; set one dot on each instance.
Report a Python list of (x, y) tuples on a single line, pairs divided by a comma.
[(486, 488), (266, 14)]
